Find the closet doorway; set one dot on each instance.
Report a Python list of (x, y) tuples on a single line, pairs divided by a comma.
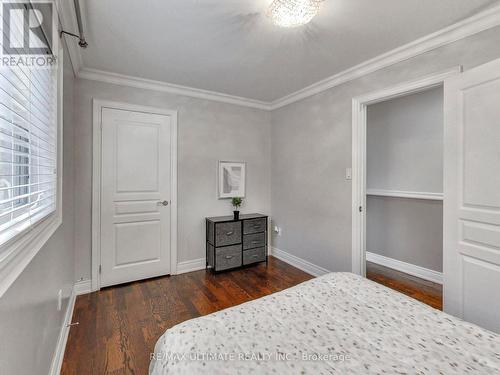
[(404, 194), (398, 187)]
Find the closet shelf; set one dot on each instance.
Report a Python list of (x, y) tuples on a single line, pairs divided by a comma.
[(405, 194)]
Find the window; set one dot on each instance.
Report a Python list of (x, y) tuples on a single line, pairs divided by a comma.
[(28, 145), (28, 148)]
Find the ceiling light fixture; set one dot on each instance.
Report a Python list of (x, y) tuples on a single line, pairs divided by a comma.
[(293, 13)]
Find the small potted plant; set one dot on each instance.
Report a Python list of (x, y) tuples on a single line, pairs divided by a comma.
[(236, 202)]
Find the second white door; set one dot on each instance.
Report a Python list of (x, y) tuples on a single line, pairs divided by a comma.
[(472, 196), (135, 196)]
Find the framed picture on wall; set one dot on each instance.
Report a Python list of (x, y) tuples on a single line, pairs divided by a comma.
[(232, 176)]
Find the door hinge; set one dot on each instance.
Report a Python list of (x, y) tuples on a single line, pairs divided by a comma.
[(360, 208), (100, 268)]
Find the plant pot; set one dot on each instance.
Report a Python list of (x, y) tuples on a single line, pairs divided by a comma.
[(236, 215)]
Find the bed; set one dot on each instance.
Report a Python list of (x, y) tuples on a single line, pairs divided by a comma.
[(339, 323)]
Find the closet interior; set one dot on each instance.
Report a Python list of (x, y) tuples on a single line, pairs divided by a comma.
[(404, 195)]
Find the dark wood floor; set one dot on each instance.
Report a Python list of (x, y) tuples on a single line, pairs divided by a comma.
[(422, 290), (119, 326)]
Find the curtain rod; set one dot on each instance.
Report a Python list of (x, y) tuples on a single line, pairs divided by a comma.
[(82, 42)]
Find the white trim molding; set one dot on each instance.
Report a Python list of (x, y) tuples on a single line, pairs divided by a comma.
[(191, 265), (57, 358), (299, 263), (405, 194), (97, 106), (149, 84), (409, 87), (359, 191), (80, 287), (410, 269), (16, 259), (83, 287), (475, 24)]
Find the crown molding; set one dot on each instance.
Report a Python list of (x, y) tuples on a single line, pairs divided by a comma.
[(148, 84), (460, 30), (67, 17)]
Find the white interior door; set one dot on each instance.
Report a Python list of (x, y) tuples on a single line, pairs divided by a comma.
[(135, 196), (472, 196)]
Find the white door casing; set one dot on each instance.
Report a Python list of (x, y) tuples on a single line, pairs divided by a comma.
[(135, 231), (472, 196), (359, 123)]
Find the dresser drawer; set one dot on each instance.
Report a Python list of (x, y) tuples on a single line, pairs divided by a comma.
[(227, 233), (254, 226), (251, 241), (254, 255), (227, 257)]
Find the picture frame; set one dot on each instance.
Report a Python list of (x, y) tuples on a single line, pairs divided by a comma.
[(231, 179)]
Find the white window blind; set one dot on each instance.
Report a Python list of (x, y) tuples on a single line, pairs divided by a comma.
[(28, 143)]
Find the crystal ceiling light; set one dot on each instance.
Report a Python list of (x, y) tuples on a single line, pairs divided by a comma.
[(293, 13)]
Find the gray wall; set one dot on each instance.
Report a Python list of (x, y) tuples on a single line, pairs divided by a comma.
[(29, 320), (404, 141), (409, 230), (311, 147), (311, 200), (207, 132), (405, 152)]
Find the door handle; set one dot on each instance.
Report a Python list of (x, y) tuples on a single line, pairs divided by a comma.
[(163, 203)]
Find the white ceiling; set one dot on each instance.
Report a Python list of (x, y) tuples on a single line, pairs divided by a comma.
[(230, 46)]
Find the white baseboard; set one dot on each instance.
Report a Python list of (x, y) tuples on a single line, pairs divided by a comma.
[(80, 287), (83, 287), (300, 263), (191, 265), (411, 269), (58, 356)]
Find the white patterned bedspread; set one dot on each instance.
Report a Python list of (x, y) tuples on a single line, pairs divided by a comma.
[(339, 323)]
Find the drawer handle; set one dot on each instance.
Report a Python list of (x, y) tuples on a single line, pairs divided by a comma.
[(254, 242), (229, 256), (256, 225), (229, 233), (255, 256)]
